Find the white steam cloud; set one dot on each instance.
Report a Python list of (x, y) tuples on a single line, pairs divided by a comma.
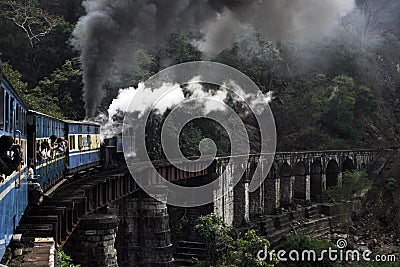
[(171, 96)]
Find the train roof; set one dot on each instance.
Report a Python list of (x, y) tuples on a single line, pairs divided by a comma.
[(82, 122), (44, 115), (4, 79), (63, 120)]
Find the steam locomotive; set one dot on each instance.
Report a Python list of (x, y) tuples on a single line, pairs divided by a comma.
[(51, 150)]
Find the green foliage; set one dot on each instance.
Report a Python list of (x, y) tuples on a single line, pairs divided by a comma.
[(392, 184), (58, 95), (41, 102), (64, 260), (322, 113), (64, 86), (15, 78), (256, 57), (29, 17), (189, 140), (225, 250), (354, 183), (241, 252), (341, 103), (179, 48), (216, 233), (305, 243), (339, 93)]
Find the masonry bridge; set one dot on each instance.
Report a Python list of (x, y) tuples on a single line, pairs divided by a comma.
[(87, 214)]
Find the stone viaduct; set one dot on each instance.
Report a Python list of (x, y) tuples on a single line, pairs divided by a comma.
[(295, 178)]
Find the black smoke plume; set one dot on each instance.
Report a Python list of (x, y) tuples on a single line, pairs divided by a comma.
[(114, 30)]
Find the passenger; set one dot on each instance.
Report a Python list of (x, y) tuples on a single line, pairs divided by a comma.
[(9, 164), (44, 149), (53, 140), (61, 145), (31, 172), (51, 153)]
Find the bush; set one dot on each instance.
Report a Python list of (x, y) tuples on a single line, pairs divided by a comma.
[(64, 260), (224, 250), (354, 184), (302, 243)]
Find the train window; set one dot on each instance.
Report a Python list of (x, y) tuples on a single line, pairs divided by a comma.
[(2, 108), (24, 123), (79, 128), (12, 114), (80, 141), (17, 119), (89, 141), (96, 130), (7, 109), (71, 143)]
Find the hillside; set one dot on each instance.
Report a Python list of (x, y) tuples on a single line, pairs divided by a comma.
[(341, 91)]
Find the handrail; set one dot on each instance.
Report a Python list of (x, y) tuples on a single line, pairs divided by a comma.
[(20, 144)]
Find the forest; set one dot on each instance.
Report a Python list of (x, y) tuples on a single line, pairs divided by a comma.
[(339, 92)]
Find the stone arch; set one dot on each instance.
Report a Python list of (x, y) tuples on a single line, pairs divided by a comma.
[(300, 181), (286, 181), (348, 165), (332, 173), (317, 183)]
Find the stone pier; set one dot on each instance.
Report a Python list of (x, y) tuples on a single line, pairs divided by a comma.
[(93, 242), (145, 230)]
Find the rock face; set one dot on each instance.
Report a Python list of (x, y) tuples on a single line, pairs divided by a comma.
[(93, 243)]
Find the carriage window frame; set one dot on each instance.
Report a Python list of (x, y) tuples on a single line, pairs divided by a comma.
[(12, 121), (24, 124), (7, 112), (89, 140), (80, 142), (2, 95), (72, 142), (17, 117)]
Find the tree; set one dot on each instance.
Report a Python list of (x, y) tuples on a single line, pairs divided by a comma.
[(339, 120), (179, 48), (33, 20), (256, 57), (225, 250), (354, 184), (64, 86), (15, 78)]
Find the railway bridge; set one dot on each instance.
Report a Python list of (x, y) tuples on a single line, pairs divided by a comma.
[(107, 209)]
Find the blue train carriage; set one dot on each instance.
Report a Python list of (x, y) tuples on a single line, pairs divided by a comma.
[(47, 148), (13, 187), (84, 146)]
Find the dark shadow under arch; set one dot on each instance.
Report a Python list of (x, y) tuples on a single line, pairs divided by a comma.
[(316, 182), (332, 173), (300, 184), (286, 185)]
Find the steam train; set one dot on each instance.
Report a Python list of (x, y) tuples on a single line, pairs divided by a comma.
[(51, 150)]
